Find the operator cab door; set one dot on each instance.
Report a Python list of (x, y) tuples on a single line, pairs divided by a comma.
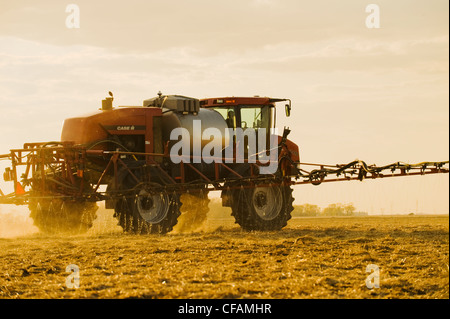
[(257, 118)]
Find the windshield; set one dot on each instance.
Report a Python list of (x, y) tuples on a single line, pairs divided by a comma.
[(255, 117), (250, 116)]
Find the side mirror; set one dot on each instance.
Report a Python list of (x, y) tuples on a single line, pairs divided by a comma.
[(288, 109)]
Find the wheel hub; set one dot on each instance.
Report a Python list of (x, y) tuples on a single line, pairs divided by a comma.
[(267, 202), (152, 207), (260, 199)]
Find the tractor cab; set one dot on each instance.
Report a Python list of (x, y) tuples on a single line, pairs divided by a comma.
[(246, 112), (254, 113)]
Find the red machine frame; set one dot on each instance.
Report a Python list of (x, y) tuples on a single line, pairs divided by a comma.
[(70, 160)]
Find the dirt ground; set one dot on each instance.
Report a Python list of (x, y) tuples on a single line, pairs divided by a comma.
[(321, 257)]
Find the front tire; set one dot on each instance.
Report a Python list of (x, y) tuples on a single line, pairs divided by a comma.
[(262, 207)]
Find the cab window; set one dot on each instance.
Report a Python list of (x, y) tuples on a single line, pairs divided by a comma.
[(255, 117), (229, 115)]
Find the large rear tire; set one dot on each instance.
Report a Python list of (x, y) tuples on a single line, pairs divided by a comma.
[(145, 206), (262, 207)]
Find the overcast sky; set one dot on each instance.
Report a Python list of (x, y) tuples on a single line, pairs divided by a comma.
[(379, 95)]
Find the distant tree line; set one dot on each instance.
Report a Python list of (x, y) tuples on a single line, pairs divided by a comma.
[(216, 210), (331, 210)]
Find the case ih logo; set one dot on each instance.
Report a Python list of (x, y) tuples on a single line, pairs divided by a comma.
[(125, 127)]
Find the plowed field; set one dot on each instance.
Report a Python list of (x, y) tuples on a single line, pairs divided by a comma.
[(322, 257)]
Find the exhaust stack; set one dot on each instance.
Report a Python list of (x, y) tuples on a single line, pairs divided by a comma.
[(107, 102)]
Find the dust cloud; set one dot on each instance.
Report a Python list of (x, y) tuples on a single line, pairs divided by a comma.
[(197, 215), (194, 210), (15, 223)]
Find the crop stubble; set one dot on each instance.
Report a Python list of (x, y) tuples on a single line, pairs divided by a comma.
[(322, 257)]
